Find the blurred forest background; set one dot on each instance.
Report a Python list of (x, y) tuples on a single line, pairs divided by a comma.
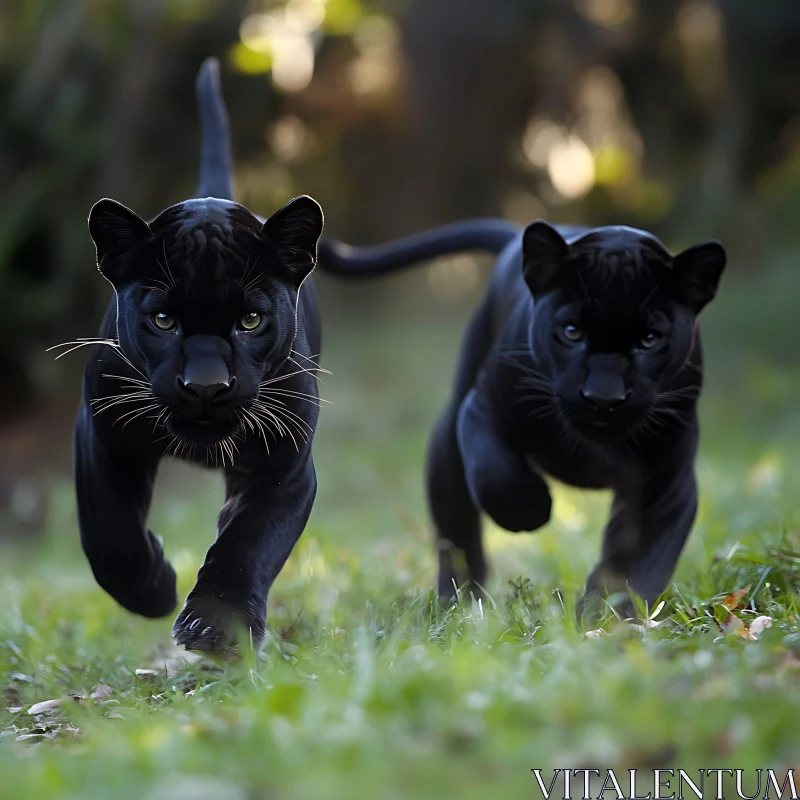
[(682, 117)]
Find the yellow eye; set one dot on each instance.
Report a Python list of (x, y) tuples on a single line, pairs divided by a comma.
[(573, 333), (249, 322), (650, 340), (164, 322)]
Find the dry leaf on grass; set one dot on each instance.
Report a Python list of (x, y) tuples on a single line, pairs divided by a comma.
[(175, 661), (101, 692), (147, 673), (48, 731), (733, 600), (734, 625), (49, 705)]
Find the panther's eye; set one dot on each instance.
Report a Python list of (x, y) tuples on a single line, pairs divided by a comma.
[(572, 333), (249, 322), (650, 340), (164, 322)]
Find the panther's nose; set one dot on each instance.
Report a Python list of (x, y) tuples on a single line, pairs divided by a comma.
[(606, 401), (204, 378), (204, 393)]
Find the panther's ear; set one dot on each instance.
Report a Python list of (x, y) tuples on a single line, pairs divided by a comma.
[(294, 230), (543, 253), (115, 230), (699, 269)]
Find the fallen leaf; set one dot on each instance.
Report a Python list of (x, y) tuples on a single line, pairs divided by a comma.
[(45, 705), (733, 625), (102, 692), (732, 601), (146, 673), (49, 705), (758, 626)]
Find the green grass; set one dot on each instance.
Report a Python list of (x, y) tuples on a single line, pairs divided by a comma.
[(367, 688)]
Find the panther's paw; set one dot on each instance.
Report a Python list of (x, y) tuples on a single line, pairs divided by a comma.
[(218, 629), (518, 513), (150, 593), (606, 591), (450, 592), (516, 501)]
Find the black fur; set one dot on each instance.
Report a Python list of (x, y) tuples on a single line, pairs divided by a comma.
[(181, 373), (582, 363), (216, 174)]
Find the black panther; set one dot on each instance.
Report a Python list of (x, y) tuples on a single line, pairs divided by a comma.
[(583, 363), (207, 354)]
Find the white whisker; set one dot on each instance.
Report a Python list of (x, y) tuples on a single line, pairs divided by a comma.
[(256, 278), (165, 266), (103, 404), (310, 370), (78, 344), (281, 407), (126, 378), (298, 395), (288, 375), (267, 415), (287, 419), (250, 416), (137, 412)]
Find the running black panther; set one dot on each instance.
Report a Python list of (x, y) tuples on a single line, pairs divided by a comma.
[(582, 363), (207, 354)]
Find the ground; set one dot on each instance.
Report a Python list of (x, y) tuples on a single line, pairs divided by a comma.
[(367, 688)]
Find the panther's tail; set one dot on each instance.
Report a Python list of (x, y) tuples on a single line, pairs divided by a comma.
[(216, 163), (490, 235)]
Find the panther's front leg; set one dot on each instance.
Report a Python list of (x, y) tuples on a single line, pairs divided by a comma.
[(114, 486), (262, 519), (644, 538), (499, 479)]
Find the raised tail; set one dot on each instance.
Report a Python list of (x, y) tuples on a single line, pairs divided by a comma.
[(216, 162), (491, 235)]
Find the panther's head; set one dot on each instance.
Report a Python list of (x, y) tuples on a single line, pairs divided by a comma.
[(206, 301), (614, 323)]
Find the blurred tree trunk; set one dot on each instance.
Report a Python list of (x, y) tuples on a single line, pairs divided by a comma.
[(469, 95), (469, 100)]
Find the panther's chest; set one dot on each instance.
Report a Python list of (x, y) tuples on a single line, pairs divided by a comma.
[(580, 469)]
